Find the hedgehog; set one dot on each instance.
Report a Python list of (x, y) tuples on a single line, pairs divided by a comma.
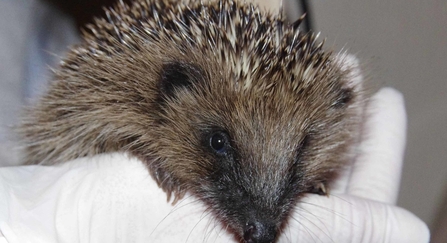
[(219, 99)]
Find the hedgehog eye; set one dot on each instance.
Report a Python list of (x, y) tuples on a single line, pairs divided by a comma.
[(219, 142)]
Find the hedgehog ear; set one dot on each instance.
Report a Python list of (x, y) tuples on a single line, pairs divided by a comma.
[(178, 75), (350, 64), (352, 83)]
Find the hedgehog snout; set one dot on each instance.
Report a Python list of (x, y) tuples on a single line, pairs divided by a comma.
[(258, 231)]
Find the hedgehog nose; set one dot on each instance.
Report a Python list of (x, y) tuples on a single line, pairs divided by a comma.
[(259, 232)]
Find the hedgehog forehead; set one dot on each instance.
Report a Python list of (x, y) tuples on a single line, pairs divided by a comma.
[(250, 114)]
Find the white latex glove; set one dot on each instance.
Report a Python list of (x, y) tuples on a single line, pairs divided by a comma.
[(112, 198)]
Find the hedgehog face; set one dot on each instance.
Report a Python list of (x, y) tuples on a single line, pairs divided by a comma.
[(251, 152)]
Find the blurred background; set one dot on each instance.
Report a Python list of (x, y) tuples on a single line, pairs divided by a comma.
[(401, 43)]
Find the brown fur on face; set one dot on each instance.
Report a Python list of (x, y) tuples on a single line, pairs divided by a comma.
[(164, 82)]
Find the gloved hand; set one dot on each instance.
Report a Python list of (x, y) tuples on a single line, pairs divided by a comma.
[(112, 198)]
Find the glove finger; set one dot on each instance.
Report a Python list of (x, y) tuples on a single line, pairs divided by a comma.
[(352, 219), (376, 172)]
